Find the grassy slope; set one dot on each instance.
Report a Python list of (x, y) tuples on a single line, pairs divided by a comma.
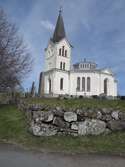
[(94, 103), (13, 129)]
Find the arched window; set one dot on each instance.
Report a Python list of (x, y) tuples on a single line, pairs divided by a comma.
[(78, 83), (61, 84), (49, 85), (88, 84), (61, 65), (60, 51), (83, 83), (63, 51), (105, 86)]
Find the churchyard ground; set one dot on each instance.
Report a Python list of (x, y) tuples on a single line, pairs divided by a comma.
[(13, 129)]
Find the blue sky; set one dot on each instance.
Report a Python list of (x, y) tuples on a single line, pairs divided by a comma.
[(96, 29)]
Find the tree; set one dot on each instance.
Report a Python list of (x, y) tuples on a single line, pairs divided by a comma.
[(15, 58)]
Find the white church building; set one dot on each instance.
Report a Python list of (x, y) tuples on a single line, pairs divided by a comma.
[(81, 79)]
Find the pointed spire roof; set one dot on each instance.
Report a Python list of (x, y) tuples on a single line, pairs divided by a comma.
[(59, 32)]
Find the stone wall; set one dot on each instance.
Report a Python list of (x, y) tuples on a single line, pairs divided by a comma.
[(48, 121)]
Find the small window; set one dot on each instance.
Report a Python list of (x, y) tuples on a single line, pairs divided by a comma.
[(61, 84), (78, 83), (61, 65), (83, 83), (88, 84), (60, 51), (63, 51)]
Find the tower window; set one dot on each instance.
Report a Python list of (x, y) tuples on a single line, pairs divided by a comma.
[(61, 65), (78, 84), (88, 84), (60, 51), (63, 51), (61, 84)]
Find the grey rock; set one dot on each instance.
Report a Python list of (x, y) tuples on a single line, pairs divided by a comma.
[(46, 116), (68, 132), (115, 115), (58, 112), (116, 125), (106, 110), (121, 115), (60, 123), (91, 127), (99, 115), (74, 125), (44, 130), (35, 129), (70, 116), (106, 117)]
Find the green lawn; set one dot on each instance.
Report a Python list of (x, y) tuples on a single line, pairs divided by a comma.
[(74, 103), (13, 129)]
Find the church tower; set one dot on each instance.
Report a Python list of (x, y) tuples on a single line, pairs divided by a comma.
[(57, 62), (58, 52)]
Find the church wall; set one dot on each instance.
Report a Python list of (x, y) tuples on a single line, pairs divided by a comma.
[(58, 75), (97, 84), (112, 89), (94, 81)]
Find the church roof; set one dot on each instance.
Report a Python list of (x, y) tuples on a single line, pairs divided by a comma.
[(59, 32)]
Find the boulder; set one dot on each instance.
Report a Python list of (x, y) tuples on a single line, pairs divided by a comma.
[(60, 123), (106, 110), (99, 115), (68, 132), (115, 115), (106, 117), (46, 116), (80, 114), (121, 115), (44, 130), (70, 116), (58, 112), (35, 129), (116, 125), (74, 125), (91, 127)]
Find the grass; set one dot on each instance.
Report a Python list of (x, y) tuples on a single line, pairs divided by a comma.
[(13, 129), (78, 103)]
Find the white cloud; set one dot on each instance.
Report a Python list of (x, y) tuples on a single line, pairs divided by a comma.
[(47, 25)]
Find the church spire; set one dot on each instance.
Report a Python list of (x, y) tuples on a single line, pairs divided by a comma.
[(59, 32)]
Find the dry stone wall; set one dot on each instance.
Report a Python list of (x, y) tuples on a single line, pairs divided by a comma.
[(48, 121)]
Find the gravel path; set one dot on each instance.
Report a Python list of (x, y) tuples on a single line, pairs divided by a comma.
[(11, 156)]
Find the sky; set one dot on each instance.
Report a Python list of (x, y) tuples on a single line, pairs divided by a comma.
[(96, 29)]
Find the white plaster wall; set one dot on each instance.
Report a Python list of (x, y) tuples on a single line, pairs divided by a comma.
[(58, 75), (97, 84), (50, 57), (70, 83), (112, 88), (94, 81), (67, 59)]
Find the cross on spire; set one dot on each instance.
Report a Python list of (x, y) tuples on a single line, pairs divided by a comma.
[(61, 9), (59, 32)]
